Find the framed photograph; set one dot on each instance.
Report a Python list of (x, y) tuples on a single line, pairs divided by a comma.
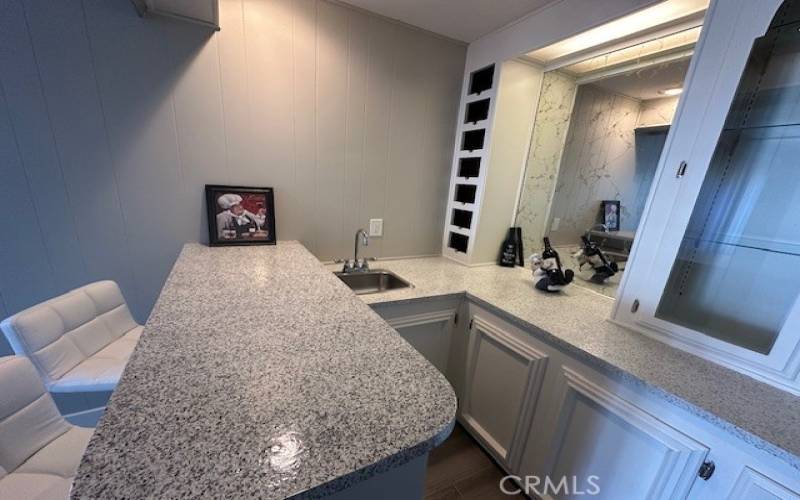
[(611, 214), (240, 215)]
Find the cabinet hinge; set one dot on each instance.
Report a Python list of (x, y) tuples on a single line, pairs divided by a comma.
[(706, 470)]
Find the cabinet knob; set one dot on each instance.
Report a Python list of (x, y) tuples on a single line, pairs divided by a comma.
[(706, 470)]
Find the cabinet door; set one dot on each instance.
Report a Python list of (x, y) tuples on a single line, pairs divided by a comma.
[(503, 378), (426, 324), (717, 269), (753, 485), (597, 442), (429, 333)]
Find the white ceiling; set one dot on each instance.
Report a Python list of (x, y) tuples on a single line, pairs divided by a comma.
[(647, 82), (465, 20)]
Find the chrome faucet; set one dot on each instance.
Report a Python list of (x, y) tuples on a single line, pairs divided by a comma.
[(357, 265)]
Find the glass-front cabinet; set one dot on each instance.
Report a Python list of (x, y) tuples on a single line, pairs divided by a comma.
[(716, 269)]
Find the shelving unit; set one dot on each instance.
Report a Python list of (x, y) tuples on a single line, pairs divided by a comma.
[(494, 129), (470, 155)]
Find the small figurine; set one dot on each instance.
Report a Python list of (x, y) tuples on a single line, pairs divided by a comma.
[(591, 254), (547, 270)]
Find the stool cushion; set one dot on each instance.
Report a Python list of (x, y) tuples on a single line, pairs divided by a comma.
[(101, 371), (39, 451), (62, 334)]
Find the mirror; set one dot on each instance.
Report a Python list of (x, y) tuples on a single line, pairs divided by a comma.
[(599, 128)]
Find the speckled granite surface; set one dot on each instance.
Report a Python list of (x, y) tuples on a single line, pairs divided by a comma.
[(261, 375), (576, 321)]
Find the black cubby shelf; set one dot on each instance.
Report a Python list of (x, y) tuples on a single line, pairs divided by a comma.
[(481, 80), (461, 218), (477, 111), (469, 167), (473, 139), (458, 242), (465, 193)]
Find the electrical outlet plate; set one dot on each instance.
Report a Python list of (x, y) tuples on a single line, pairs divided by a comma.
[(376, 227)]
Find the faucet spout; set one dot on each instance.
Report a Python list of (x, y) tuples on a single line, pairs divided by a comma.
[(364, 241)]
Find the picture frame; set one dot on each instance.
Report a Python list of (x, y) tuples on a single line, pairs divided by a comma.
[(240, 215), (611, 214)]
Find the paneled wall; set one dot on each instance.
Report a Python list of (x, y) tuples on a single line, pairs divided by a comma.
[(110, 125)]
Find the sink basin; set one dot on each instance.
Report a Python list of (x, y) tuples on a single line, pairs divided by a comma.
[(374, 281)]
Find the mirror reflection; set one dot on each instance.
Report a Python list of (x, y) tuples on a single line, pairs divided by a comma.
[(600, 126)]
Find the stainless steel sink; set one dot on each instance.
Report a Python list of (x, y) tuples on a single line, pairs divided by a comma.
[(374, 281)]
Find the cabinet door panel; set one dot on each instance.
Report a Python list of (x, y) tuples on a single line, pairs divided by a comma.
[(630, 453), (428, 333), (753, 485), (503, 380)]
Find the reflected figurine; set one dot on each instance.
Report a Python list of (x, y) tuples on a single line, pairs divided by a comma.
[(591, 254), (547, 271)]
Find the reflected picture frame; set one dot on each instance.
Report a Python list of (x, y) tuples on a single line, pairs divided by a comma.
[(240, 215), (611, 214)]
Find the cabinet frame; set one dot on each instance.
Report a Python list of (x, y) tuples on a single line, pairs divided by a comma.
[(713, 78)]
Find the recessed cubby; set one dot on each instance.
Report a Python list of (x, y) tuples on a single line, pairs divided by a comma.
[(473, 139), (462, 218), (481, 80), (469, 167), (477, 111), (465, 193), (458, 242)]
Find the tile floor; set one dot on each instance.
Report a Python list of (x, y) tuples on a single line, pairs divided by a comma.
[(459, 469)]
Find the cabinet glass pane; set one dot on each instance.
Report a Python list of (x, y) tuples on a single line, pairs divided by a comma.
[(737, 273)]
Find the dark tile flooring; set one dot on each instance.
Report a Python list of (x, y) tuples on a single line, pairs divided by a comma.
[(459, 469)]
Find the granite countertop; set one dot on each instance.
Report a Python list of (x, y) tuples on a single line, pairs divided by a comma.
[(577, 321), (260, 374)]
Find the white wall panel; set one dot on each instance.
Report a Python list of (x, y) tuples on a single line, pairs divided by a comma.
[(116, 123), (34, 138), (60, 42), (22, 235)]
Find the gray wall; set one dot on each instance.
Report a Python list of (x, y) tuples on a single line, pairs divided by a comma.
[(110, 125)]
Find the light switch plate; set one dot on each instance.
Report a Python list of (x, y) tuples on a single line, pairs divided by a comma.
[(376, 227)]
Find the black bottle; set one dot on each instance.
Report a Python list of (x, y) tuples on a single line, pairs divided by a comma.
[(508, 252)]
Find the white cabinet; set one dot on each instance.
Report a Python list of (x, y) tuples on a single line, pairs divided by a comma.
[(567, 429), (596, 441), (716, 265), (203, 12), (503, 376), (753, 485), (427, 326)]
